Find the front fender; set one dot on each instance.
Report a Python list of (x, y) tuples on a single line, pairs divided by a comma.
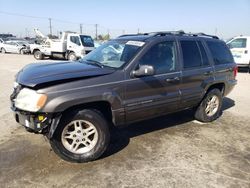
[(60, 103)]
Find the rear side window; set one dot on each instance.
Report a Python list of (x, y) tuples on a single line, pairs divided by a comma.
[(191, 54), (220, 52), (203, 54)]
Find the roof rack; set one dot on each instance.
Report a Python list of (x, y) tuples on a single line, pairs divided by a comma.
[(202, 35), (164, 33), (182, 33), (178, 33), (129, 35)]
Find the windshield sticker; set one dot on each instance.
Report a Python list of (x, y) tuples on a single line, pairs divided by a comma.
[(135, 43)]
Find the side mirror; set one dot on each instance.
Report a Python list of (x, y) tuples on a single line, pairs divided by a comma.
[(144, 70)]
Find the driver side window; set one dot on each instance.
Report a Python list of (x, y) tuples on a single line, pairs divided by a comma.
[(75, 40), (161, 56)]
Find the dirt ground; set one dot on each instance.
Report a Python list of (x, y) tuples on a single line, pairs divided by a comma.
[(171, 151)]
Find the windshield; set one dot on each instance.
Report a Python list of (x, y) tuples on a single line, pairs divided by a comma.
[(87, 41), (113, 53)]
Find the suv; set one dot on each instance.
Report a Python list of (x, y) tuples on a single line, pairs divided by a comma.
[(128, 79), (240, 48)]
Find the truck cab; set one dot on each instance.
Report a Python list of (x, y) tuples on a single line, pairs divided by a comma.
[(78, 45), (240, 48), (71, 46)]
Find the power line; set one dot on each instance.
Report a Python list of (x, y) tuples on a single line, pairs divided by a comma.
[(96, 26), (27, 16)]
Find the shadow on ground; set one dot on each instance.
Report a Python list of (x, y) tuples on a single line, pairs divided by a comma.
[(120, 137)]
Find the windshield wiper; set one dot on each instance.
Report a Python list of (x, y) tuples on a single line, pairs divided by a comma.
[(93, 62)]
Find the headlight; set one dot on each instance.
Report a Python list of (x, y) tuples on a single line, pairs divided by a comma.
[(30, 100)]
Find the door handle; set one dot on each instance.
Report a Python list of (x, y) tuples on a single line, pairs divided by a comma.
[(172, 79), (208, 72)]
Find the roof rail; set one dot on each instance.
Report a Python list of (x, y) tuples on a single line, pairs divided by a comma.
[(129, 35), (165, 33), (202, 35)]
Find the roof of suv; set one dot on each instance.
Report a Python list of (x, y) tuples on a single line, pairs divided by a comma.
[(152, 35)]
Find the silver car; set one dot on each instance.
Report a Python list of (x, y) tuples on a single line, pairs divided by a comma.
[(12, 46)]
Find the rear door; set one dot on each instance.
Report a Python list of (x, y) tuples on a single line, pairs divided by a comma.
[(196, 71), (151, 96), (222, 59)]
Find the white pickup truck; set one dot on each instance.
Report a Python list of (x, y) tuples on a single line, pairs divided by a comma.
[(71, 46), (240, 48)]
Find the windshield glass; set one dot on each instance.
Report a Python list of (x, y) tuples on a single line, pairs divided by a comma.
[(87, 41), (113, 53)]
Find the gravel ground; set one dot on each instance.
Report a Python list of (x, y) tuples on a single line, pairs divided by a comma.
[(171, 151)]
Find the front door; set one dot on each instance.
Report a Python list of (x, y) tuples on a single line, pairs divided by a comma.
[(155, 95)]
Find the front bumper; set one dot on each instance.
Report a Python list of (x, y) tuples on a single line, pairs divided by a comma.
[(37, 123)]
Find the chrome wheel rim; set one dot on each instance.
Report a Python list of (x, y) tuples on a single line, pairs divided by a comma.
[(79, 136), (212, 105)]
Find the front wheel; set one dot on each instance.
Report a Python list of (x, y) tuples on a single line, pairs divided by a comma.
[(21, 52), (83, 137), (38, 55), (72, 56), (210, 107)]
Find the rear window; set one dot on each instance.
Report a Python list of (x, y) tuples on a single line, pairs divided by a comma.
[(220, 52), (191, 54)]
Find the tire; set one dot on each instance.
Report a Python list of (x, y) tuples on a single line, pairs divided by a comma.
[(72, 56), (3, 51), (74, 129), (213, 99), (38, 55), (21, 52)]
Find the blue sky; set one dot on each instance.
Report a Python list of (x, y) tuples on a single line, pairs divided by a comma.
[(225, 18)]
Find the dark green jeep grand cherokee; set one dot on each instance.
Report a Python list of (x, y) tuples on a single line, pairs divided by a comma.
[(128, 79)]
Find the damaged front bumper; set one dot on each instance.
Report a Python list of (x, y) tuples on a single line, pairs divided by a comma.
[(42, 123)]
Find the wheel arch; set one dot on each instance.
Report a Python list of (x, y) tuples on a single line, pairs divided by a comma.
[(220, 85), (103, 107)]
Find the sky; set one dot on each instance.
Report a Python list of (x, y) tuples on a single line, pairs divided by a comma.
[(225, 18)]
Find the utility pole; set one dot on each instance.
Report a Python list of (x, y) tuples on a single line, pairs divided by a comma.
[(96, 25), (81, 28), (138, 30), (50, 27)]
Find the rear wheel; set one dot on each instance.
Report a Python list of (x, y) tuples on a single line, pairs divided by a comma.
[(3, 51), (38, 55), (210, 107), (83, 137)]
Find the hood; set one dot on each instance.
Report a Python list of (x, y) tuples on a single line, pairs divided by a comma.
[(41, 73)]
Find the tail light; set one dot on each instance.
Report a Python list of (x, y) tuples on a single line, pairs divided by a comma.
[(235, 70)]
